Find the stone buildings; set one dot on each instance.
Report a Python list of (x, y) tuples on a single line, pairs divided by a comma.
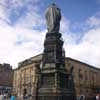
[(25, 76), (6, 78), (86, 77)]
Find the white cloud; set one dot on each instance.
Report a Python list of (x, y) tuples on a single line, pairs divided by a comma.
[(65, 23), (13, 49), (19, 42), (3, 14), (88, 49), (30, 20), (93, 21)]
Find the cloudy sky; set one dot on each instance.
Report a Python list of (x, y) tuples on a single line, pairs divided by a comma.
[(23, 29)]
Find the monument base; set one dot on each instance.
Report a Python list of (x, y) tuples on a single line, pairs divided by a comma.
[(56, 86), (69, 96)]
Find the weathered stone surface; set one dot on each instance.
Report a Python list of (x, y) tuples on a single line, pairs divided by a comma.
[(6, 78), (54, 80), (53, 17)]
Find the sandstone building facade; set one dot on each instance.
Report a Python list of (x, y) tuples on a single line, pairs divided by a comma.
[(86, 77), (25, 76), (6, 78)]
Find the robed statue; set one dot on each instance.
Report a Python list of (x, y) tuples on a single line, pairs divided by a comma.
[(53, 17)]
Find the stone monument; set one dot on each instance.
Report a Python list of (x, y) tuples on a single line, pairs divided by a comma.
[(54, 82), (53, 17)]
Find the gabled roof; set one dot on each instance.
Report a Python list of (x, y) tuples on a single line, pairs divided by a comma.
[(35, 59), (88, 65), (38, 58)]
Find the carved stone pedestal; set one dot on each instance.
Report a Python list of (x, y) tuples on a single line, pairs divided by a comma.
[(54, 82)]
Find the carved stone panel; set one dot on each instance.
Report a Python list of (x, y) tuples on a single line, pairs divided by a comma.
[(48, 81)]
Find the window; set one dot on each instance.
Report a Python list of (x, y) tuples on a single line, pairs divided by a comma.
[(86, 76), (80, 74)]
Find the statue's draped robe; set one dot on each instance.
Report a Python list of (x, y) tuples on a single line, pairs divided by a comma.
[(53, 17)]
